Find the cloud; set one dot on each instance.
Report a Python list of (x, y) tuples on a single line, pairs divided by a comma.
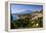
[(22, 10), (19, 10)]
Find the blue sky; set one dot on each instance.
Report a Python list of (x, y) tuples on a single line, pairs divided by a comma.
[(16, 8)]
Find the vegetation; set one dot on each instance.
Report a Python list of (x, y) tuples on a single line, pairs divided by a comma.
[(27, 22)]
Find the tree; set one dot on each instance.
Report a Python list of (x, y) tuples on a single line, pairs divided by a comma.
[(11, 17)]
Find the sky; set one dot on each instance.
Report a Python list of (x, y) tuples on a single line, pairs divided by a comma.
[(17, 8)]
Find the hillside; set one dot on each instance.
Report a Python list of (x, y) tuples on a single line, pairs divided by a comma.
[(33, 20)]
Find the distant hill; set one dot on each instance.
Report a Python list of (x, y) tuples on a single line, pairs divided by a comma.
[(32, 14)]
